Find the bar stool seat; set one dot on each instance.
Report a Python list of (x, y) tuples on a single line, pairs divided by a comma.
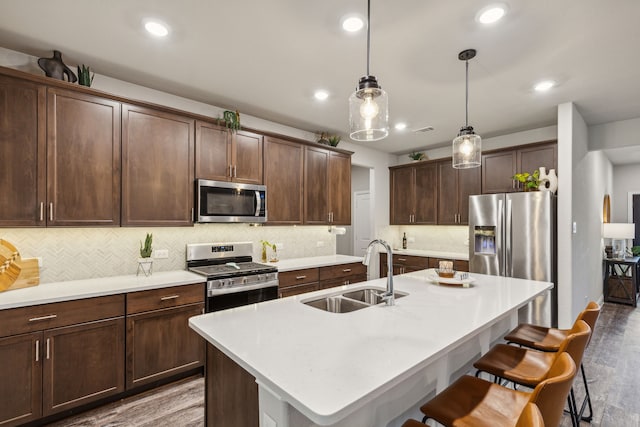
[(530, 417), (474, 402)]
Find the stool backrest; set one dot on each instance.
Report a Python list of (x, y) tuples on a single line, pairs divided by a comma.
[(551, 394), (576, 341), (590, 315), (530, 417)]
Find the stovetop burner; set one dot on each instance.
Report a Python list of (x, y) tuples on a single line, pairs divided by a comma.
[(233, 269), (224, 260)]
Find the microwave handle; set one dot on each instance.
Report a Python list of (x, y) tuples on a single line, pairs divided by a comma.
[(258, 203)]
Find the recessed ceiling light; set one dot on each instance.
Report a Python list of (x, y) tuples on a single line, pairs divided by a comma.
[(491, 14), (156, 28), (352, 23), (401, 126), (544, 85), (321, 95)]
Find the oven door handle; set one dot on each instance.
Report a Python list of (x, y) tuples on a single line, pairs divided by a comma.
[(243, 288), (258, 203)]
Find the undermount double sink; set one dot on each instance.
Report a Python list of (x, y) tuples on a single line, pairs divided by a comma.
[(350, 300)]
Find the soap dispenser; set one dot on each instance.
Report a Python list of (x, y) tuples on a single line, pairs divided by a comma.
[(404, 240)]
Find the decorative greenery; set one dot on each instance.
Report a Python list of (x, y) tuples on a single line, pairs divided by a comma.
[(334, 140), (326, 139), (145, 251), (265, 245), (417, 155), (530, 181), (231, 119), (85, 76), (635, 250)]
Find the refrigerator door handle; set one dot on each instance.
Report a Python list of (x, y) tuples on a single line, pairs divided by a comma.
[(508, 219), (500, 238)]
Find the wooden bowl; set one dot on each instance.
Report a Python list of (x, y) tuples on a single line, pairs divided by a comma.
[(446, 274)]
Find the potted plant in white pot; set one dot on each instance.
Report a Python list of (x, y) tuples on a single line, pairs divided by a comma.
[(145, 262)]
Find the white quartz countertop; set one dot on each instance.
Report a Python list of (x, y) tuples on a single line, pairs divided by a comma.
[(431, 254), (88, 288), (327, 365), (312, 262)]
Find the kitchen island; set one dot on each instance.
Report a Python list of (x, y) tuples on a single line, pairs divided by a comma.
[(371, 367)]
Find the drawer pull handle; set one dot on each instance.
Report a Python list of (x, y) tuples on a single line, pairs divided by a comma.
[(47, 317), (300, 277), (169, 297), (402, 259), (48, 349), (346, 270), (37, 350)]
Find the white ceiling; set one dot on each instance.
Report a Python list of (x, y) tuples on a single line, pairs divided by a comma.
[(267, 58)]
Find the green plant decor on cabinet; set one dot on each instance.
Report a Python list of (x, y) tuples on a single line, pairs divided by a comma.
[(530, 181), (85, 76), (417, 156), (231, 120)]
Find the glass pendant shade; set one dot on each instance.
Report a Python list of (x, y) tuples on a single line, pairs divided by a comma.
[(467, 149), (368, 111)]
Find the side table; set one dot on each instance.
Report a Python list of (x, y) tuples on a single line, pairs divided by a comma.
[(621, 283)]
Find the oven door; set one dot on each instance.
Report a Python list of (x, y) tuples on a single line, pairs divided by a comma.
[(222, 301), (218, 201)]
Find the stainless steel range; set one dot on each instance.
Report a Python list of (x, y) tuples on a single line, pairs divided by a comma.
[(233, 279)]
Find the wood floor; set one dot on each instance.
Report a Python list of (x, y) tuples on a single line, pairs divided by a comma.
[(612, 364)]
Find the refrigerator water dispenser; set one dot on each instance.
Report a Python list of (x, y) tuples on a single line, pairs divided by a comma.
[(485, 239)]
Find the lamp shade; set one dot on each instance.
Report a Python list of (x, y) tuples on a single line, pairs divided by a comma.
[(618, 230)]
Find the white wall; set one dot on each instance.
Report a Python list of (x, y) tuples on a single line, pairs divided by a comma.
[(626, 179), (622, 133), (359, 182), (92, 252)]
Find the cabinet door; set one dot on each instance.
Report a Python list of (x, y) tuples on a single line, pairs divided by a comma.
[(402, 186), (340, 188), (213, 152), (157, 168), (497, 172), (82, 363), (21, 374), (22, 148), (161, 344), (246, 154), (83, 159), (447, 193), (283, 176), (532, 158), (426, 194), (316, 186), (468, 185)]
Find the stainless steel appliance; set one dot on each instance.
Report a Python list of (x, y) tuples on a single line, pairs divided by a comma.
[(514, 235), (219, 201), (233, 279)]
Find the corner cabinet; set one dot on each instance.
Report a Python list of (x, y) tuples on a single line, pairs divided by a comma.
[(157, 167), (414, 194), (283, 176), (327, 187), (222, 155), (454, 188)]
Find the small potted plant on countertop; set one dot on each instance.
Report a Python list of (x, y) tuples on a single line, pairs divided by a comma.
[(145, 262), (530, 182), (417, 156)]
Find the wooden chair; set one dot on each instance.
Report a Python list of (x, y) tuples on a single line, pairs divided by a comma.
[(530, 417), (474, 402), (549, 339), (530, 367)]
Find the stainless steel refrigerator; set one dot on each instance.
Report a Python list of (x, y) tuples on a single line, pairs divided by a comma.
[(514, 235)]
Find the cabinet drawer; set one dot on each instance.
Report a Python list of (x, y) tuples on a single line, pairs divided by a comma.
[(297, 277), (40, 317), (342, 271), (458, 264), (298, 289), (416, 261), (154, 299)]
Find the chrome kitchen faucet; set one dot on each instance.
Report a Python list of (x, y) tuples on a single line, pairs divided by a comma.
[(387, 297)]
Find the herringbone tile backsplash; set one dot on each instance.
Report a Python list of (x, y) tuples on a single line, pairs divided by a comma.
[(81, 253)]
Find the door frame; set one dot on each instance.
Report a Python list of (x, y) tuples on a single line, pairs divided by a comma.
[(354, 219)]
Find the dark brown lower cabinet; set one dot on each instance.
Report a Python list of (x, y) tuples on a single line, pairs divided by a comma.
[(160, 344), (231, 393), (21, 373), (82, 363)]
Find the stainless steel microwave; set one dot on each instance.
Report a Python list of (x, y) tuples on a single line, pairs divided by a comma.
[(219, 201)]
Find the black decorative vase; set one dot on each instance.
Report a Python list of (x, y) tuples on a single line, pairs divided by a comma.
[(55, 68)]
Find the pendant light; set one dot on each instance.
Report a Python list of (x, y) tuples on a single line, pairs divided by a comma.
[(369, 104), (467, 146)]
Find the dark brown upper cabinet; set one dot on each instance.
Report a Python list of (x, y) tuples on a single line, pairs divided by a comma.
[(414, 194), (283, 176), (327, 187), (454, 188)]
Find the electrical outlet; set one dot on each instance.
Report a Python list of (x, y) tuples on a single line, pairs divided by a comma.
[(161, 253), (320, 244)]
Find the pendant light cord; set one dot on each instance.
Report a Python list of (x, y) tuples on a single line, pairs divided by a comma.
[(466, 95), (368, 33)]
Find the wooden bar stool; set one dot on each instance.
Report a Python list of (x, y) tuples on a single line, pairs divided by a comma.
[(474, 402), (530, 367), (549, 339), (530, 417)]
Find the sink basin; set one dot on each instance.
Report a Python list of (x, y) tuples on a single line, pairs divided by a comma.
[(336, 304), (350, 301), (370, 296)]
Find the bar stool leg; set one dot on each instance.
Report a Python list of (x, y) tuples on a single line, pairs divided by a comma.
[(587, 399)]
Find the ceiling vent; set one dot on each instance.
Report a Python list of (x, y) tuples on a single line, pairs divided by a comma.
[(424, 129)]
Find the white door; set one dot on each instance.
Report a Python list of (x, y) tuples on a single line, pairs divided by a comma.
[(361, 222)]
